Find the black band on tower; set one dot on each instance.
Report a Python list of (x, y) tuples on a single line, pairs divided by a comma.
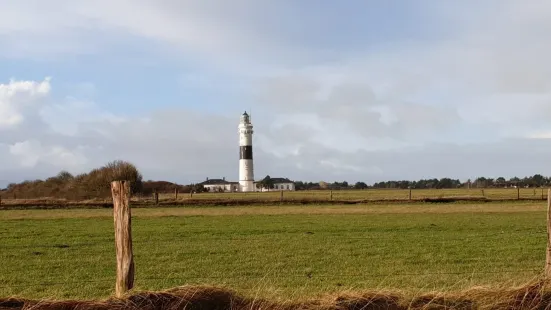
[(246, 152)]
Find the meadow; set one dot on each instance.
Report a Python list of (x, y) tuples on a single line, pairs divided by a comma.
[(374, 194), (310, 197), (277, 251)]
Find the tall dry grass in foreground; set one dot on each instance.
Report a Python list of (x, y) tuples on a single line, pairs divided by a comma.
[(535, 295)]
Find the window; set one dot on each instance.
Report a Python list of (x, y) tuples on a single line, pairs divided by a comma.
[(287, 186)]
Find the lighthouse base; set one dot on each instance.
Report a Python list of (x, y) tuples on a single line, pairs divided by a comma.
[(246, 186)]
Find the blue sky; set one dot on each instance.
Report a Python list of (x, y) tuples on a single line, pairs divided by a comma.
[(355, 90)]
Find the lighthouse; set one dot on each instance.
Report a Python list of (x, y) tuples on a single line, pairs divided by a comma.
[(246, 173)]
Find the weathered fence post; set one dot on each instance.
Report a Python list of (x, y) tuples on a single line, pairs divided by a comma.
[(483, 193), (156, 197), (542, 196), (548, 252), (281, 196), (518, 193), (176, 193), (331, 195), (410, 194), (123, 236)]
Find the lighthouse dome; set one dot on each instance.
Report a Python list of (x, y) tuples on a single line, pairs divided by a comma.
[(245, 119)]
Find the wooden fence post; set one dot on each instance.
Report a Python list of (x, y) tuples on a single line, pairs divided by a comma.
[(156, 197), (176, 193), (483, 193), (123, 236), (548, 251), (331, 195), (281, 196), (542, 196), (518, 193), (410, 194)]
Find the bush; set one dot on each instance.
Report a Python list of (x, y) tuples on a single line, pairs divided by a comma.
[(95, 184)]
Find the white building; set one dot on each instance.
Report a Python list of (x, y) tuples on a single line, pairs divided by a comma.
[(220, 185), (280, 184)]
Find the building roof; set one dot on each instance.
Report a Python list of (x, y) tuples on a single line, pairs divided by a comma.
[(277, 180), (216, 182), (281, 180)]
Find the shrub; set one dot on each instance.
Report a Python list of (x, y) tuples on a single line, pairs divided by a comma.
[(95, 184)]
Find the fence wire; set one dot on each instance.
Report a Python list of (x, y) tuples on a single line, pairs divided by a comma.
[(320, 195), (292, 275)]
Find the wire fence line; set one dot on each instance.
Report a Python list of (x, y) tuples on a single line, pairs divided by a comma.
[(371, 194), (80, 246), (287, 275), (362, 195)]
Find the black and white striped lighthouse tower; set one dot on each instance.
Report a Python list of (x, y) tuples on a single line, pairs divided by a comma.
[(246, 172)]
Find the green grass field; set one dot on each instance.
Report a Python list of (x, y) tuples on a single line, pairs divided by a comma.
[(376, 194), (276, 251)]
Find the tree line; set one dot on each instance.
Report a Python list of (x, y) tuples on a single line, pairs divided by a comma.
[(537, 180)]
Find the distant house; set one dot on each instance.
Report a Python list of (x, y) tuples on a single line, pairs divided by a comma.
[(220, 185), (280, 184)]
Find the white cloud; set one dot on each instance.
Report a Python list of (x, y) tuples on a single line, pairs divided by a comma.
[(30, 153), (66, 118), (539, 135), (35, 130), (19, 97), (212, 31)]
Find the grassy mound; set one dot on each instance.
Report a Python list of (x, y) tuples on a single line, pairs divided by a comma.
[(533, 296)]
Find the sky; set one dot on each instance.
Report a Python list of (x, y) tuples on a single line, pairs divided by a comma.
[(356, 90)]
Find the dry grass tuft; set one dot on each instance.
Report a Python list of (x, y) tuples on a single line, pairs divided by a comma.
[(369, 301), (189, 298), (534, 296)]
